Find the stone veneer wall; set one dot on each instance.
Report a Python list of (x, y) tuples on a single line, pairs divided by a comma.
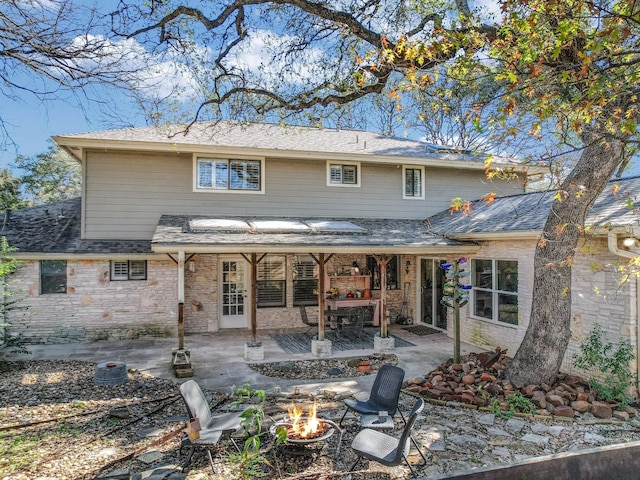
[(95, 308), (597, 297), (201, 294)]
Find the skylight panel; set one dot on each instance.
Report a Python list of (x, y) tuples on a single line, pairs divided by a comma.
[(279, 226), (335, 226), (218, 225)]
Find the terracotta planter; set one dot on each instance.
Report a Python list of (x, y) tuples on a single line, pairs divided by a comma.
[(364, 366)]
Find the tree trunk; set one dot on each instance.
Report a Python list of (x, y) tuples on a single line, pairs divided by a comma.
[(540, 355)]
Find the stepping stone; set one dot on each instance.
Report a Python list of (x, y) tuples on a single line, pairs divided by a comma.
[(149, 432), (150, 457)]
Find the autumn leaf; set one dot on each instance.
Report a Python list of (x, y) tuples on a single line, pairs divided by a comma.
[(559, 229), (459, 205), (489, 198)]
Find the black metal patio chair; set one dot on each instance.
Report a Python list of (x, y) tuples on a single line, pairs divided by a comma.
[(386, 449), (384, 394)]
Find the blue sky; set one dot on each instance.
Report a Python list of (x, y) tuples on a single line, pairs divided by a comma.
[(30, 123)]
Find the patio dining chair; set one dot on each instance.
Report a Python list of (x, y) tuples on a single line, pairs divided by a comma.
[(386, 449), (384, 394), (213, 427), (305, 319)]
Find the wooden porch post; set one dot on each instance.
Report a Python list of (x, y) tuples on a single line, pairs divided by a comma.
[(321, 260), (254, 292), (181, 299), (321, 296), (382, 261), (253, 263)]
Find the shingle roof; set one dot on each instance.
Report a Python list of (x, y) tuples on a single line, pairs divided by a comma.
[(55, 228), (273, 137), (528, 212)]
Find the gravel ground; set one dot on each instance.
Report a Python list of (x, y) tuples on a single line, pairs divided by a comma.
[(55, 423)]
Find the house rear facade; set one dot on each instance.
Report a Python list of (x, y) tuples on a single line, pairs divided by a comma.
[(173, 225), (168, 218)]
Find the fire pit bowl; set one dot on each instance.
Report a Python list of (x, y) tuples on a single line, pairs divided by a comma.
[(329, 428), (323, 433)]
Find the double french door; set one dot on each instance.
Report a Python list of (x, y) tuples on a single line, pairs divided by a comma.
[(431, 284)]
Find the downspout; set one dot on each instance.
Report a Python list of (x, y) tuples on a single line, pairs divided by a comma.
[(634, 288)]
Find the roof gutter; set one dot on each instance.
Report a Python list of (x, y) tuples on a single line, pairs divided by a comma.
[(305, 249)]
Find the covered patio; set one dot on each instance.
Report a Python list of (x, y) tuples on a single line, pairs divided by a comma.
[(254, 287)]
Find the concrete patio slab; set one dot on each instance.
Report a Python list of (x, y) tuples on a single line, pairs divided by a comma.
[(218, 358)]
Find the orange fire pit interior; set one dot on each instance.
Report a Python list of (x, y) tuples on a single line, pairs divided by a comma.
[(305, 427)]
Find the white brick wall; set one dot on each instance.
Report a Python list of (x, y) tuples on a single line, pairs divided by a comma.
[(95, 308), (597, 297)]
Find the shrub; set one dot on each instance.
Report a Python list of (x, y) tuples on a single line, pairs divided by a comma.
[(607, 365)]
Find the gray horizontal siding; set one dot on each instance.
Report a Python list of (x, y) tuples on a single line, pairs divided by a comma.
[(127, 193)]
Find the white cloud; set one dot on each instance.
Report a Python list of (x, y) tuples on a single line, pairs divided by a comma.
[(259, 56), (128, 62)]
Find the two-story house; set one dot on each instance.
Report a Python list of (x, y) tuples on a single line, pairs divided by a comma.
[(172, 228), (169, 218)]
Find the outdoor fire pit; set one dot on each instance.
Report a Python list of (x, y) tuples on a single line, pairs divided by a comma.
[(304, 430)]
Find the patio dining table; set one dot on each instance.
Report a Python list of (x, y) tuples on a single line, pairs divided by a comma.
[(345, 318)]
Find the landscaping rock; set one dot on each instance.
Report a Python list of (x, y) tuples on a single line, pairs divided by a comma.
[(601, 410)]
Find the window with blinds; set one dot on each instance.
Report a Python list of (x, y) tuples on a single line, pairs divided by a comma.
[(305, 281), (228, 174), (129, 270), (413, 182), (271, 282), (343, 174)]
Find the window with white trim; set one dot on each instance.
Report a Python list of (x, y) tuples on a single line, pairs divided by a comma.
[(495, 290), (343, 174), (271, 281), (393, 273), (305, 281), (128, 270), (220, 174), (413, 182), (53, 276)]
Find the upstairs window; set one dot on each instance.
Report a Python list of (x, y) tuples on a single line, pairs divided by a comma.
[(271, 281), (217, 174), (129, 270), (413, 181), (495, 290), (53, 276), (305, 281), (343, 174)]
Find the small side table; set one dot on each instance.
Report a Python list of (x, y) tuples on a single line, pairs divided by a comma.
[(371, 421)]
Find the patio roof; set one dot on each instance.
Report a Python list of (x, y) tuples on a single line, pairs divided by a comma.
[(298, 235)]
